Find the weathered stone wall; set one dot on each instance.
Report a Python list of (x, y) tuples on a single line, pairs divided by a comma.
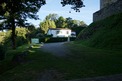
[(105, 3), (113, 8)]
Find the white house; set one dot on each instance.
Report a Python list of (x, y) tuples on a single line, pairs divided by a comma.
[(60, 32)]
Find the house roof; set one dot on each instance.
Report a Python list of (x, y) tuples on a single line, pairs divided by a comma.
[(59, 29)]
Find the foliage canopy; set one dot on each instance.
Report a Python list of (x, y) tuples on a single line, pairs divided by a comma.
[(15, 12)]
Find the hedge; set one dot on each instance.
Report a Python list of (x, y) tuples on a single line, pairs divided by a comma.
[(56, 39), (2, 52)]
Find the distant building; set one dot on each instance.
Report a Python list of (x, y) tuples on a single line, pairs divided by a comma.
[(61, 32), (4, 30)]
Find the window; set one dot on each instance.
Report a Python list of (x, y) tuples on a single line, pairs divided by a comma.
[(57, 32), (67, 32)]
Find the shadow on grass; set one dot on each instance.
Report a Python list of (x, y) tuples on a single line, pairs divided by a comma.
[(83, 62)]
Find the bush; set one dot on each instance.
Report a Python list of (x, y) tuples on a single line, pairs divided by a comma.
[(77, 29), (59, 39), (2, 52), (20, 41), (49, 39)]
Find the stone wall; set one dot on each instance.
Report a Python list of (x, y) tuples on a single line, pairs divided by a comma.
[(105, 3), (113, 8)]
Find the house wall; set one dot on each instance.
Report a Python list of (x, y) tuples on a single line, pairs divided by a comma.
[(49, 32), (64, 33), (59, 33)]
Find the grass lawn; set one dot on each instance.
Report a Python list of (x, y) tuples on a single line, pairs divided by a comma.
[(95, 62), (83, 62)]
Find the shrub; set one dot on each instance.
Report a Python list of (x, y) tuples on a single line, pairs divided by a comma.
[(59, 39), (77, 29), (2, 52), (20, 41)]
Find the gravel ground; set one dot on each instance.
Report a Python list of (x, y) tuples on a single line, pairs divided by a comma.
[(58, 49)]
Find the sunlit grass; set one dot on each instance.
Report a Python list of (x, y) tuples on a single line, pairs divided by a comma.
[(36, 45), (31, 51)]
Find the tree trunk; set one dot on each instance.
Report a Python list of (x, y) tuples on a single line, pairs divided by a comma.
[(13, 36)]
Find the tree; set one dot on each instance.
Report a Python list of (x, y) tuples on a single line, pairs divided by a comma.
[(75, 25), (15, 12), (83, 24), (21, 38), (61, 22), (52, 17), (76, 4), (45, 25), (31, 28)]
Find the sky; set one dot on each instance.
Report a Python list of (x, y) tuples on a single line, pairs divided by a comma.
[(54, 6)]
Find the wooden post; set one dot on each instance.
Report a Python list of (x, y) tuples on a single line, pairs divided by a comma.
[(68, 39)]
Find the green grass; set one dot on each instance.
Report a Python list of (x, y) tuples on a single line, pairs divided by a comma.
[(97, 54), (95, 62), (104, 34), (38, 61), (83, 62), (6, 64)]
